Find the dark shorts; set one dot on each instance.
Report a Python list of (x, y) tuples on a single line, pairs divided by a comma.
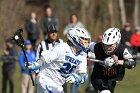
[(100, 84)]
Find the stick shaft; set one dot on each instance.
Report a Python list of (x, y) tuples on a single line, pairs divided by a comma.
[(96, 60), (27, 64), (100, 61)]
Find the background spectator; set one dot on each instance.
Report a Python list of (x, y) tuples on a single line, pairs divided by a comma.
[(74, 22), (47, 20), (135, 39), (26, 85), (8, 67), (32, 29), (126, 33), (99, 38)]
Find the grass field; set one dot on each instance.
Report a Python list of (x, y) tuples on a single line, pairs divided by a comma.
[(130, 84)]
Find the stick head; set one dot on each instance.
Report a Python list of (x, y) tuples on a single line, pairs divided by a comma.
[(18, 38)]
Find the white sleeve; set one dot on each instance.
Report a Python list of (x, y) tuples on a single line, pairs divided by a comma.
[(91, 46), (38, 52), (54, 54)]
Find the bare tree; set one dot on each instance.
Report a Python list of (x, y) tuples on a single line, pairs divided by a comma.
[(11, 13), (136, 13), (122, 9), (84, 4), (111, 12)]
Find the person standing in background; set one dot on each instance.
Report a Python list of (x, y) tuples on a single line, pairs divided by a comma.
[(74, 22), (47, 20), (32, 29), (26, 85), (126, 33), (8, 67), (135, 40)]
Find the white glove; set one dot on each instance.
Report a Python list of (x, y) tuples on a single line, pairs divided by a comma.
[(32, 65), (109, 61), (73, 78)]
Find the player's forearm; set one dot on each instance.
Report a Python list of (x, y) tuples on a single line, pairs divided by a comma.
[(120, 62), (127, 63)]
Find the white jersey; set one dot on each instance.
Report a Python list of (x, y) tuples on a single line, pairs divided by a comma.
[(62, 60)]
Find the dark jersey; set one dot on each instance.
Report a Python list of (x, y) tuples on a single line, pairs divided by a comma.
[(115, 72)]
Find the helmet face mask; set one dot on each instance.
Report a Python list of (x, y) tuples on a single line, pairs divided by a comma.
[(111, 39), (85, 41), (79, 37), (110, 48)]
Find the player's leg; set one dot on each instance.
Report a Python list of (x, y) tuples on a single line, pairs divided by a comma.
[(4, 80), (49, 88), (103, 86), (11, 80), (47, 85), (95, 83), (65, 87), (111, 86), (40, 89), (75, 88), (42, 84), (30, 85), (24, 83)]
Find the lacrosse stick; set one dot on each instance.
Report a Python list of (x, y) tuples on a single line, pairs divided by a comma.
[(18, 38)]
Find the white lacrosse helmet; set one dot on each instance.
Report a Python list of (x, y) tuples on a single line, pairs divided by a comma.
[(77, 35), (105, 91), (111, 36)]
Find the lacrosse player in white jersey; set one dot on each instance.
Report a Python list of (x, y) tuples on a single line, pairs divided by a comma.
[(64, 63)]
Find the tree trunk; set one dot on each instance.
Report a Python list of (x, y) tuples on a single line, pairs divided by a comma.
[(136, 13), (122, 9), (111, 12), (84, 4)]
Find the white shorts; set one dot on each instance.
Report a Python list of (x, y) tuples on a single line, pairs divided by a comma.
[(44, 84)]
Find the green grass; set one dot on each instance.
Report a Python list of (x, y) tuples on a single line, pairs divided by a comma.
[(130, 84), (17, 79)]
